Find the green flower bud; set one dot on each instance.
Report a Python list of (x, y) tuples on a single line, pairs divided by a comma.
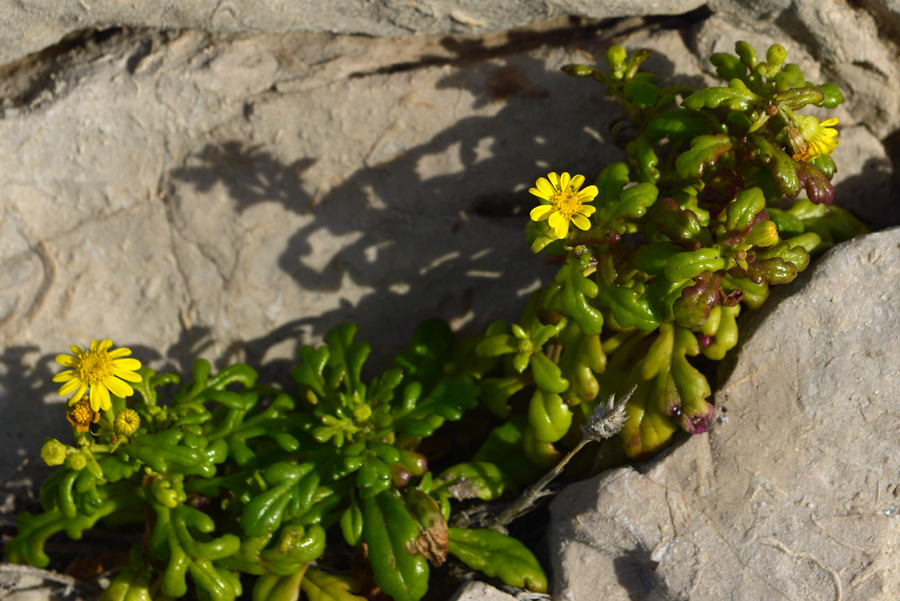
[(77, 461), (53, 452), (362, 413), (127, 422), (763, 234)]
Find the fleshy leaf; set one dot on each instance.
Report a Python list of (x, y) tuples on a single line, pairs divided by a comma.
[(498, 556), (704, 153)]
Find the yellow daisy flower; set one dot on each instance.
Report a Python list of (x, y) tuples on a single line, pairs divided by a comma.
[(82, 416), (816, 138), (562, 202), (102, 371)]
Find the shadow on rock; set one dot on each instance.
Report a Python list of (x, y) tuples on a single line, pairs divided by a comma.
[(420, 237)]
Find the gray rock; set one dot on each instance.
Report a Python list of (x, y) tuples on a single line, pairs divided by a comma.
[(793, 494), (30, 27), (479, 591)]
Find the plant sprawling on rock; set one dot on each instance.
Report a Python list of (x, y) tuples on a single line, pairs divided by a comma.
[(234, 477)]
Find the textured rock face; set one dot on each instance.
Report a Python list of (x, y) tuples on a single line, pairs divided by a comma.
[(793, 494), (479, 591), (33, 25)]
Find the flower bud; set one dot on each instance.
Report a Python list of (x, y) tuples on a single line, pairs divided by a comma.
[(53, 452), (127, 422), (362, 412), (77, 461), (763, 234)]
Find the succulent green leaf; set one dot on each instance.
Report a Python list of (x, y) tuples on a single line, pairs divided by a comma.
[(628, 307), (547, 375), (789, 77), (498, 556), (633, 202), (690, 264), (503, 448), (644, 159), (496, 392), (610, 183), (322, 586), (780, 165), (549, 415), (741, 212), (263, 513), (475, 479), (390, 532), (728, 66), (704, 153), (576, 290), (680, 124), (693, 307), (832, 95), (817, 185), (373, 477), (273, 587), (499, 344), (681, 226), (641, 90), (736, 97)]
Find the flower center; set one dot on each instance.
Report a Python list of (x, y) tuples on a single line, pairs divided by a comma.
[(566, 202), (94, 367)]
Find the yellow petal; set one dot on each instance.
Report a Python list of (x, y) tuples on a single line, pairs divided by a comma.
[(540, 213), (125, 374), (560, 225), (564, 180), (99, 398), (76, 351), (118, 387), (554, 180), (587, 210), (830, 122), (68, 387), (545, 187), (78, 394), (581, 222), (576, 182), (64, 376), (130, 364), (589, 192), (65, 360), (106, 345), (539, 194), (119, 352)]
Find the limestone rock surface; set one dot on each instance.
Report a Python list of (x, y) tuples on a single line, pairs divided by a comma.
[(479, 591), (794, 493), (33, 25)]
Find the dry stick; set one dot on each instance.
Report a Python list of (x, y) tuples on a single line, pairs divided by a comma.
[(605, 422), (22, 570)]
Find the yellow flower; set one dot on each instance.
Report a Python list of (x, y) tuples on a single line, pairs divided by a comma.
[(815, 138), (82, 416), (562, 202), (102, 371)]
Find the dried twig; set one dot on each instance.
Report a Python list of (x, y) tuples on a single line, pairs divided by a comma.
[(605, 422)]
